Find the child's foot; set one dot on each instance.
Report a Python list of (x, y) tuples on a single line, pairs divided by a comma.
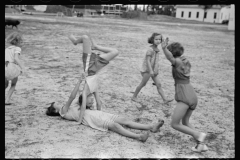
[(166, 101), (134, 99), (201, 137), (200, 148), (73, 39), (144, 137), (156, 127)]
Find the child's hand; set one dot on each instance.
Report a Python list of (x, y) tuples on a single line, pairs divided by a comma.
[(23, 71), (151, 73), (165, 43), (83, 77)]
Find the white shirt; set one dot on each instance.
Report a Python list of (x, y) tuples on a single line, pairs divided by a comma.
[(10, 53)]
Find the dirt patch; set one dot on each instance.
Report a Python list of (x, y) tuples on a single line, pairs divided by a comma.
[(53, 66)]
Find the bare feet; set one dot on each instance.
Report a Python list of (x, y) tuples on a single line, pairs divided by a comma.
[(134, 99), (144, 137), (156, 127), (73, 39)]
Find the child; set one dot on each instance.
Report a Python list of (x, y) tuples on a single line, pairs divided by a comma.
[(13, 66), (97, 119), (184, 94), (92, 64), (150, 67)]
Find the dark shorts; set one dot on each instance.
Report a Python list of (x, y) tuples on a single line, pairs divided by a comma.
[(186, 94), (96, 63)]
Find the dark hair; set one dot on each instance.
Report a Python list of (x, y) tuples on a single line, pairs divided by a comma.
[(80, 100), (151, 39), (176, 49), (51, 111)]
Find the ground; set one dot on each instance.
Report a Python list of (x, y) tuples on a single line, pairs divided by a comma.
[(54, 65)]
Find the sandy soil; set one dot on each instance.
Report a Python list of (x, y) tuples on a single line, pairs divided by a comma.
[(54, 64)]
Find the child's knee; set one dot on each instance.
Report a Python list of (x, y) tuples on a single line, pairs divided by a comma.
[(114, 126), (159, 85), (173, 124)]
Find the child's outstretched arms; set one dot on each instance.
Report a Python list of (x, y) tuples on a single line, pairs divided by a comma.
[(167, 53), (73, 95)]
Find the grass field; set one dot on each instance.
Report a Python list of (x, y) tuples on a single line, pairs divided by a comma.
[(54, 64)]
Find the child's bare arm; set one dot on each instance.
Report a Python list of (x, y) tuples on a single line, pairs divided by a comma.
[(167, 53), (72, 96)]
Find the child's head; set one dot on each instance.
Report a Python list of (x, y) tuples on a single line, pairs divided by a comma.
[(89, 101), (176, 49), (52, 110), (14, 38), (156, 39)]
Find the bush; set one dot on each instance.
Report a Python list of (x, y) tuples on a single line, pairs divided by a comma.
[(134, 15), (58, 8)]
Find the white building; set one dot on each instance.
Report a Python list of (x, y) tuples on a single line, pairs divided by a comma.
[(225, 13), (231, 24), (197, 12)]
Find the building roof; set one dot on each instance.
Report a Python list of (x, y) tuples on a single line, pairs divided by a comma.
[(198, 6)]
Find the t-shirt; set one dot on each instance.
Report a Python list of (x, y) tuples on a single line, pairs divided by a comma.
[(10, 53)]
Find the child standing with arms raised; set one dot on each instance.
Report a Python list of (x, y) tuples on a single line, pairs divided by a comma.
[(150, 67), (184, 94), (13, 66)]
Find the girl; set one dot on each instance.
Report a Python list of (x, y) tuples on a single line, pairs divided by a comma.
[(97, 119), (13, 66), (150, 67), (184, 94), (92, 64)]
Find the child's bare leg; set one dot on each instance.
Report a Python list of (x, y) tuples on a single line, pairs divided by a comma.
[(185, 120), (160, 90), (134, 125), (6, 83), (145, 78), (11, 90), (84, 39), (115, 127), (178, 114), (111, 53)]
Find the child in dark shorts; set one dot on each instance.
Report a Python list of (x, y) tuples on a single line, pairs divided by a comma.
[(184, 94), (92, 64)]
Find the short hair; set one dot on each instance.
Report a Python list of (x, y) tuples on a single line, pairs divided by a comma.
[(151, 39), (14, 38), (176, 49), (51, 111)]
